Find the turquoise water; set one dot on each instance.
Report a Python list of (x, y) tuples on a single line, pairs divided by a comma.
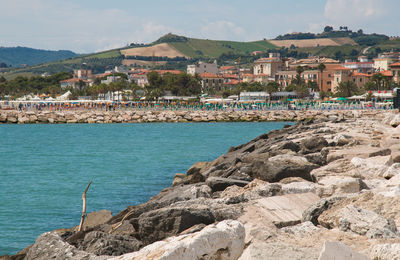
[(45, 168)]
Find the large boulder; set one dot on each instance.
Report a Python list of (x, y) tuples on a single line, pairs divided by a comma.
[(386, 251), (313, 144), (316, 209), (360, 221), (220, 184), (161, 223), (282, 166), (223, 241), (51, 246), (372, 167), (101, 243), (339, 184), (336, 250)]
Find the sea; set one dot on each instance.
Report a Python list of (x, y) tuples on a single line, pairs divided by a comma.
[(44, 169)]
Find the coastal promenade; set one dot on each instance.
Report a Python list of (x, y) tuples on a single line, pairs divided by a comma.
[(324, 188), (149, 116)]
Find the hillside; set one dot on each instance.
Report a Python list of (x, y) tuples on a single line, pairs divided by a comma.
[(307, 43), (18, 56)]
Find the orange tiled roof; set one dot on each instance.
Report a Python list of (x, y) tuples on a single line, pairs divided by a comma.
[(361, 74), (227, 67), (397, 64), (340, 67), (232, 82), (387, 73), (76, 80), (162, 72), (210, 75)]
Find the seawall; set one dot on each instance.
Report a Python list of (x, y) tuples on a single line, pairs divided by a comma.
[(132, 116)]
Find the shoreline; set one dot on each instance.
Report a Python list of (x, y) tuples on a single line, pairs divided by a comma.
[(132, 116), (337, 175)]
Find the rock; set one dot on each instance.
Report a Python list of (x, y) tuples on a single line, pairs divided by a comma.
[(392, 171), (160, 223), (50, 246), (178, 179), (336, 251), (341, 167), (372, 167), (316, 158), (339, 184), (220, 184), (302, 229), (282, 166), (223, 241), (395, 121), (386, 251), (101, 243), (360, 221), (380, 152), (97, 218), (198, 167), (342, 139), (313, 144), (286, 210), (315, 210), (299, 187)]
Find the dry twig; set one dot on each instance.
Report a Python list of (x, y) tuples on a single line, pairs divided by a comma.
[(84, 207)]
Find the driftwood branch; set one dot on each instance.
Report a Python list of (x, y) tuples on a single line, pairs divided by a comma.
[(117, 225), (84, 207)]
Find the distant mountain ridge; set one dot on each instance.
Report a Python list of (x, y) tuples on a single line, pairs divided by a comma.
[(18, 56)]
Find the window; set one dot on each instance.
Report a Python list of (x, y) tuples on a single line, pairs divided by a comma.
[(360, 79), (354, 80), (329, 82), (329, 75)]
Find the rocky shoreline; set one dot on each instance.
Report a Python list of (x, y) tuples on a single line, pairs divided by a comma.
[(325, 188), (123, 116)]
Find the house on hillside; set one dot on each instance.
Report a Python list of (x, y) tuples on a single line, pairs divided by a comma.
[(202, 67), (396, 72)]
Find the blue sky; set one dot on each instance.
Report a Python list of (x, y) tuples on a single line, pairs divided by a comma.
[(86, 26)]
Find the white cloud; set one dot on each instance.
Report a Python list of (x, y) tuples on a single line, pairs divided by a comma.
[(353, 12), (221, 30)]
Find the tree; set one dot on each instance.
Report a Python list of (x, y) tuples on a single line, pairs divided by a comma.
[(272, 87), (347, 89), (2, 79), (298, 80), (328, 29), (377, 78), (302, 91), (321, 68)]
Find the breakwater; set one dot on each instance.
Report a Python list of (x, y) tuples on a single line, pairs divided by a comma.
[(132, 116)]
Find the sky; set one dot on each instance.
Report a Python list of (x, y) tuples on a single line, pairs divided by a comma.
[(86, 26)]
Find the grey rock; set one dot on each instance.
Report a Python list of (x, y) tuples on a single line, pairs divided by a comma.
[(314, 211), (282, 166), (101, 243), (161, 223), (336, 250), (220, 184), (313, 144)]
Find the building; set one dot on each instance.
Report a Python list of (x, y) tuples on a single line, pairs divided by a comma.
[(202, 67), (363, 65), (211, 82), (268, 66), (228, 70), (395, 67), (75, 83), (83, 74), (253, 96)]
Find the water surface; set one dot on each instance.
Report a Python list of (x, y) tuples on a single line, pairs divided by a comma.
[(45, 168)]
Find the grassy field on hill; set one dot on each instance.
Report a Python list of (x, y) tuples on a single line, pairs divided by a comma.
[(198, 48)]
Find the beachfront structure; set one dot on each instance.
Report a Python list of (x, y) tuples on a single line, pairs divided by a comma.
[(202, 67), (253, 96)]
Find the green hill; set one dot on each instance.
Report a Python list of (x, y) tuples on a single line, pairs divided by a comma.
[(198, 48), (18, 56)]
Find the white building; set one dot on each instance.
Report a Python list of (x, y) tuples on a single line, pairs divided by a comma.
[(202, 67)]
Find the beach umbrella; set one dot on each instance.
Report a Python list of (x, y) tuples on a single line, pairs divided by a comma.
[(342, 98)]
